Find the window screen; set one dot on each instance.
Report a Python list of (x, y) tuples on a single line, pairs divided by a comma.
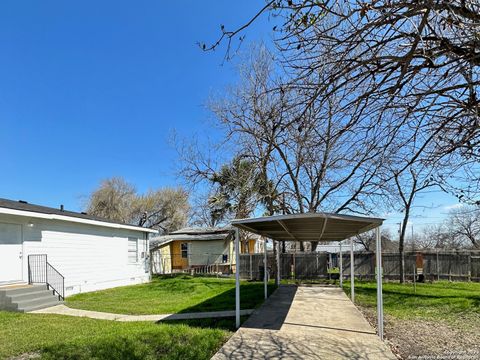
[(184, 250), (132, 250), (10, 233)]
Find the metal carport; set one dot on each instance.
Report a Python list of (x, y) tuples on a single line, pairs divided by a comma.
[(312, 227)]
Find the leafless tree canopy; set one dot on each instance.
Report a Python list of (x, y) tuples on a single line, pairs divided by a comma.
[(465, 225), (412, 67), (165, 209), (322, 161), (460, 230), (367, 241), (360, 101)]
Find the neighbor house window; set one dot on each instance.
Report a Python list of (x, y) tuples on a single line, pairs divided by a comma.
[(184, 250), (132, 250), (224, 258)]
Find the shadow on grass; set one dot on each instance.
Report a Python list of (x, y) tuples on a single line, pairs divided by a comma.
[(176, 343), (251, 296), (227, 323)]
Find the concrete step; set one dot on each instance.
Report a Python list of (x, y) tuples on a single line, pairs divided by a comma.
[(39, 306), (38, 303), (22, 290), (44, 296), (29, 295), (27, 298)]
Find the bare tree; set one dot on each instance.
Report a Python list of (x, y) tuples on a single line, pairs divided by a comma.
[(320, 160), (201, 212), (408, 186), (112, 200), (367, 241), (464, 223), (165, 209), (409, 61), (440, 236)]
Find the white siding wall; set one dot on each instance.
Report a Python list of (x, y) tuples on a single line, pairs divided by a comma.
[(208, 252), (161, 260), (89, 257)]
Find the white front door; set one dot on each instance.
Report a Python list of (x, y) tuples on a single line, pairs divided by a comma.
[(10, 252)]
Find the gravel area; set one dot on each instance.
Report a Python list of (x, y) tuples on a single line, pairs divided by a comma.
[(431, 339)]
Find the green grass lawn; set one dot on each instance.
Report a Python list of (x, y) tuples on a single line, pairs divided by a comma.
[(63, 337), (165, 295), (433, 301)]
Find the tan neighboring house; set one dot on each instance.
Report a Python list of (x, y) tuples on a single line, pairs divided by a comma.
[(196, 248)]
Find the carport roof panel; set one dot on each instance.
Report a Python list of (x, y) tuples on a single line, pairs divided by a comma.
[(308, 226)]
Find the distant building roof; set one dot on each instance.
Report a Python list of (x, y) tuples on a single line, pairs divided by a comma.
[(23, 208), (202, 230), (192, 234)]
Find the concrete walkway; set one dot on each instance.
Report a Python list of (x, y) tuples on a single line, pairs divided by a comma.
[(305, 323), (65, 310)]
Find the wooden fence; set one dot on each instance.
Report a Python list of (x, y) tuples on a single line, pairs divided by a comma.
[(437, 265)]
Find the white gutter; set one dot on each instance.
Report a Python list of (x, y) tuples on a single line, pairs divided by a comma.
[(37, 215)]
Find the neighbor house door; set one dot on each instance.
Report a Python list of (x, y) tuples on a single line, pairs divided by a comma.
[(10, 252)]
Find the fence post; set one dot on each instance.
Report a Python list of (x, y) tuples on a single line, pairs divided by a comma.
[(294, 269), (438, 268), (251, 272), (469, 274), (414, 280)]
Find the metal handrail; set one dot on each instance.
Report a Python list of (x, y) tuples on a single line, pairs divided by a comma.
[(41, 271), (56, 282)]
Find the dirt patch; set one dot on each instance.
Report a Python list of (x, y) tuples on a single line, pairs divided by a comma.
[(427, 339)]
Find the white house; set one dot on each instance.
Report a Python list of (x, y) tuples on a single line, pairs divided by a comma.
[(89, 252)]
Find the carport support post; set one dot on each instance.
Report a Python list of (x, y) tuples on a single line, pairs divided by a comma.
[(265, 270), (352, 272), (279, 278), (379, 283), (237, 278), (341, 265)]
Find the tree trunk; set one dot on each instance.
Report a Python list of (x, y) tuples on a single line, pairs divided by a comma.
[(401, 244), (402, 262)]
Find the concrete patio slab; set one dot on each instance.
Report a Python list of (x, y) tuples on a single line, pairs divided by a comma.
[(306, 323), (65, 310)]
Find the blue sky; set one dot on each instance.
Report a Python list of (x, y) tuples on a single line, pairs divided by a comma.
[(94, 89)]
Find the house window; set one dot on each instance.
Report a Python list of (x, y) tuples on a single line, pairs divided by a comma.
[(132, 250), (224, 258), (184, 250)]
